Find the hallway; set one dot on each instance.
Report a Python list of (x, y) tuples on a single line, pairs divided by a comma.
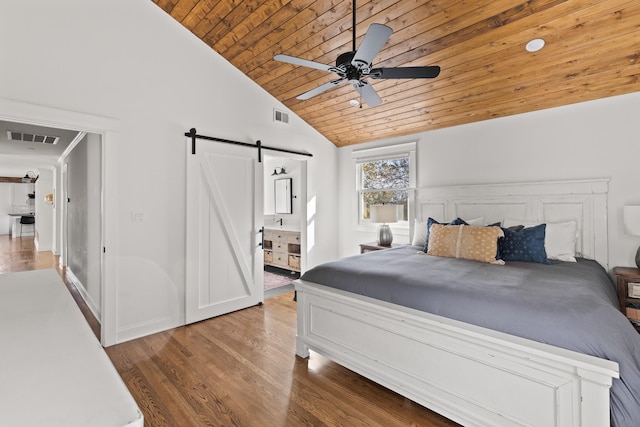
[(20, 254)]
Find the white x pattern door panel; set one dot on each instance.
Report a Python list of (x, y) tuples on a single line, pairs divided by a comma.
[(224, 218)]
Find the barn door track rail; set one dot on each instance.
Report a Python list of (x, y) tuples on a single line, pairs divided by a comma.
[(194, 135)]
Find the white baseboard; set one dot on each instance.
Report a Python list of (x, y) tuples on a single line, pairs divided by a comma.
[(143, 329), (39, 246), (84, 294)]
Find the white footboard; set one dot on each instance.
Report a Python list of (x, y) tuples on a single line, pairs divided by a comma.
[(469, 374)]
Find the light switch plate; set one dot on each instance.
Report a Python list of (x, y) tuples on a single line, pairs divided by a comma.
[(137, 217)]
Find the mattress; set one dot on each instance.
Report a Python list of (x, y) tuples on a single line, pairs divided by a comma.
[(568, 305)]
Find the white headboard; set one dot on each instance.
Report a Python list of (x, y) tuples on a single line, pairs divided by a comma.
[(583, 201)]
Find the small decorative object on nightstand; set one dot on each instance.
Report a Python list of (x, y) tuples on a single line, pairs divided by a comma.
[(384, 214), (628, 279)]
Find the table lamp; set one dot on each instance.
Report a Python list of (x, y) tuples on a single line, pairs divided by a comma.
[(631, 216), (384, 215)]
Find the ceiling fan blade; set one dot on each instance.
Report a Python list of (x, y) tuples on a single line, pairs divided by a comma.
[(302, 62), (368, 93), (405, 73), (322, 88), (376, 37)]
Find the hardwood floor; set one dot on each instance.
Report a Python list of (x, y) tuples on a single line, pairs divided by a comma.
[(238, 370), (20, 254)]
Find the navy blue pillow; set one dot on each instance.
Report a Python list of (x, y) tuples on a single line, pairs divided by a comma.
[(431, 221), (525, 245)]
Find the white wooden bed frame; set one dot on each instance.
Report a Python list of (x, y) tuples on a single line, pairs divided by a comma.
[(469, 374)]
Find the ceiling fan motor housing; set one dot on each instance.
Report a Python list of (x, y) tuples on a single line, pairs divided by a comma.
[(345, 59), (351, 72)]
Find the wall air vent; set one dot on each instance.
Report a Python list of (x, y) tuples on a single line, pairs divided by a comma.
[(30, 137), (280, 116)]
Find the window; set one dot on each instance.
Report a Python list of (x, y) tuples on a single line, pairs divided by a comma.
[(385, 175), (384, 181)]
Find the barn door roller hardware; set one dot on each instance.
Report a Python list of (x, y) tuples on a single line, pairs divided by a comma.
[(194, 135)]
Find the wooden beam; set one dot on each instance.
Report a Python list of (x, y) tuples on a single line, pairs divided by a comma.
[(11, 179)]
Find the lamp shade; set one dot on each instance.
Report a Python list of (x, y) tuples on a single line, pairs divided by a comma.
[(631, 216), (384, 214)]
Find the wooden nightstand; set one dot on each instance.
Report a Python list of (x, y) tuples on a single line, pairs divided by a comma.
[(626, 275), (373, 246)]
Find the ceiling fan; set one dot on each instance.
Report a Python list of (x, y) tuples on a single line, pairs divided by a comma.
[(356, 66)]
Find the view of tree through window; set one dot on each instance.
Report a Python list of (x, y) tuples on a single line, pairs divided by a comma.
[(385, 181)]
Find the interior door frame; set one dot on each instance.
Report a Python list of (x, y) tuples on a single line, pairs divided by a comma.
[(38, 115), (64, 217), (305, 222)]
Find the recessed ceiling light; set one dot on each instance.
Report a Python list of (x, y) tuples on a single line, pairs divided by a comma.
[(535, 45), (354, 102)]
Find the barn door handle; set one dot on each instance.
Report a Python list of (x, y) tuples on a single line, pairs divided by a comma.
[(261, 244)]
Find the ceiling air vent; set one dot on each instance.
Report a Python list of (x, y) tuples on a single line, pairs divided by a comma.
[(280, 116), (30, 137)]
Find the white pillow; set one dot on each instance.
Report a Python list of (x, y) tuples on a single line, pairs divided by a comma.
[(419, 233), (475, 221), (559, 240)]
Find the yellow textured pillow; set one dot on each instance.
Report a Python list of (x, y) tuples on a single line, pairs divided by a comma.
[(465, 241)]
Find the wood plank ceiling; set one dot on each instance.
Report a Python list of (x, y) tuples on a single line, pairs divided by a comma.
[(592, 51)]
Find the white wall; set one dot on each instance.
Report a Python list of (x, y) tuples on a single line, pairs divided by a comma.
[(82, 204), (5, 208), (129, 61), (93, 285), (44, 211), (596, 139)]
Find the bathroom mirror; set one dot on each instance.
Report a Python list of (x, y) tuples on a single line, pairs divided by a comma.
[(283, 195)]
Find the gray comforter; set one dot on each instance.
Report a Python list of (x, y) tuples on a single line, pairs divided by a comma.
[(569, 305)]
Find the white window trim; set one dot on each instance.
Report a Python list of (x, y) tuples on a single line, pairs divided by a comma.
[(407, 149)]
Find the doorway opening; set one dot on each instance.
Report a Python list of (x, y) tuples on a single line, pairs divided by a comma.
[(285, 183), (106, 130)]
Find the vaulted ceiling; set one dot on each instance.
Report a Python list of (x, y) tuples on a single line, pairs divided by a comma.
[(592, 51)]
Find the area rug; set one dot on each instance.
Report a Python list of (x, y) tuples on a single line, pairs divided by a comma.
[(272, 280)]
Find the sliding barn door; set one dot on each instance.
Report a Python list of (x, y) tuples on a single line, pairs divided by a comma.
[(224, 219)]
